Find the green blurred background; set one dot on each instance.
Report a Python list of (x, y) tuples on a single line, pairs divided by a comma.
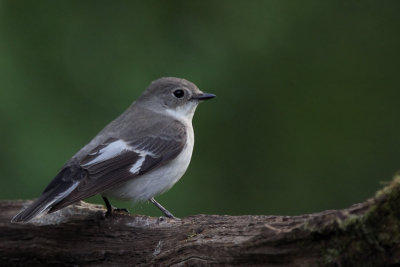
[(307, 114)]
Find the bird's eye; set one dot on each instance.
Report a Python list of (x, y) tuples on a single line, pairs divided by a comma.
[(179, 93)]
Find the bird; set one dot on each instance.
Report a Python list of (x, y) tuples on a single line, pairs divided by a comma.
[(137, 156)]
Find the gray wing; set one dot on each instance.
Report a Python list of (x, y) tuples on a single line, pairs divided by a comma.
[(117, 161), (107, 165)]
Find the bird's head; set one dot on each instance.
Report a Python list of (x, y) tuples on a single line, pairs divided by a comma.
[(174, 96)]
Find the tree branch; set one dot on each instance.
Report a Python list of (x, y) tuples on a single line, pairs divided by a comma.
[(366, 234)]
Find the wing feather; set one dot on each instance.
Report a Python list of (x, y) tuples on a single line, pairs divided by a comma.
[(116, 161)]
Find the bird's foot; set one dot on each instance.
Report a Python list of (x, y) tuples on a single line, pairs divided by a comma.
[(123, 210), (112, 211), (164, 210), (170, 215)]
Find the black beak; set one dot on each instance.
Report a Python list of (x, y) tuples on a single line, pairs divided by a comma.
[(203, 96)]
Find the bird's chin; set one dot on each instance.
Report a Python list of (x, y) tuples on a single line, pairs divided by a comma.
[(183, 113)]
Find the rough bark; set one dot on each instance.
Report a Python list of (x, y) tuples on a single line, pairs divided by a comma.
[(365, 234)]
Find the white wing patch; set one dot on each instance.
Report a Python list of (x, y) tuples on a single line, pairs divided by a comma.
[(114, 149), (111, 150), (136, 167)]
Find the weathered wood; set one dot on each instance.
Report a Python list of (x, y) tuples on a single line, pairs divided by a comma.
[(366, 234)]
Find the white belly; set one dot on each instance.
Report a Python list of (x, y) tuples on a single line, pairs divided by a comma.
[(157, 181)]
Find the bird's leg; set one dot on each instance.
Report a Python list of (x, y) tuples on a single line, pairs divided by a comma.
[(164, 210), (110, 209), (108, 205)]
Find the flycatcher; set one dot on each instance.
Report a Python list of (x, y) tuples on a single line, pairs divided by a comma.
[(139, 155)]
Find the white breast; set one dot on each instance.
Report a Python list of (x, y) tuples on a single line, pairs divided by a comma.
[(159, 180)]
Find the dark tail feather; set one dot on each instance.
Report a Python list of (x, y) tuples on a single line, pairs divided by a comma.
[(59, 188), (46, 201), (39, 206)]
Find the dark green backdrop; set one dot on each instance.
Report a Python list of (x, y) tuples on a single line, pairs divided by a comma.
[(307, 114)]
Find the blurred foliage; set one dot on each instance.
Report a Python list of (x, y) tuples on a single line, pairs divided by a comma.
[(307, 114)]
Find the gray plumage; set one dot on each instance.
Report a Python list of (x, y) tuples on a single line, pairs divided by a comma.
[(137, 156)]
